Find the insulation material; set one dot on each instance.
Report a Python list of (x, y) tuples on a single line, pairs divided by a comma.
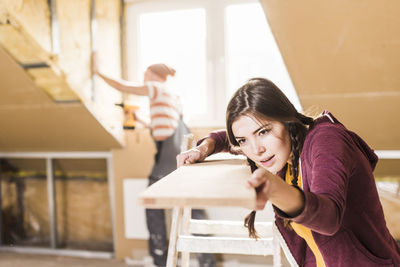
[(34, 17), (108, 47), (23, 48), (83, 212), (75, 57), (53, 84)]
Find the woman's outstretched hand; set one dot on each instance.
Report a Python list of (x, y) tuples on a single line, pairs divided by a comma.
[(270, 187), (197, 154), (261, 181), (190, 156)]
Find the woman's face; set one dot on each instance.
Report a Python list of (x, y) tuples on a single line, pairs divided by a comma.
[(265, 142)]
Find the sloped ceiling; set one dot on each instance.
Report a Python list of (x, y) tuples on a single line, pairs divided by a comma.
[(31, 121), (344, 56)]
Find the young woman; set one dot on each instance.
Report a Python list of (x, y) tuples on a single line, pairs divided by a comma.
[(315, 172), (167, 129)]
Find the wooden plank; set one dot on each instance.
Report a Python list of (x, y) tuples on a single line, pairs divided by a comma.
[(206, 184), (229, 245)]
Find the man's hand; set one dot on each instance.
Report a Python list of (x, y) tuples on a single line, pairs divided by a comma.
[(95, 69)]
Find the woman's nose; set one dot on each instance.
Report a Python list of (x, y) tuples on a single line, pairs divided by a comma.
[(258, 148)]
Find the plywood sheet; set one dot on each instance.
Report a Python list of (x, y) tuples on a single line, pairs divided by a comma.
[(206, 184)]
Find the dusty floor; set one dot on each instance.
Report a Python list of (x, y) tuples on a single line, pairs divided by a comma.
[(11, 259)]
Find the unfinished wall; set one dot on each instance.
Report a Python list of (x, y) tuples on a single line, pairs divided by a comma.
[(82, 204)]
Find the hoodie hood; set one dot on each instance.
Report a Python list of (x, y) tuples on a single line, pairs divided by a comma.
[(364, 148)]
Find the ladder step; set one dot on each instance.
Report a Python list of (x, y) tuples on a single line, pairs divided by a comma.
[(231, 228), (226, 245)]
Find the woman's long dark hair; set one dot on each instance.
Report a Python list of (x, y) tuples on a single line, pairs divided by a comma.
[(262, 99)]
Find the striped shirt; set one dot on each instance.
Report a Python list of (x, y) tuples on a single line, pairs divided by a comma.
[(165, 110)]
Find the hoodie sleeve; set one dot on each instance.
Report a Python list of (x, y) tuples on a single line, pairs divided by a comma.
[(220, 139), (329, 154)]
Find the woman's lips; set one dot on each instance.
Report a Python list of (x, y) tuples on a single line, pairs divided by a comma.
[(268, 162)]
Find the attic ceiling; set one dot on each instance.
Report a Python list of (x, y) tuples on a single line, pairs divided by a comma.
[(344, 56), (32, 121), (45, 101)]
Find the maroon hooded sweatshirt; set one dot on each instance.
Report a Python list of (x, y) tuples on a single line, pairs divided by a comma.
[(342, 206)]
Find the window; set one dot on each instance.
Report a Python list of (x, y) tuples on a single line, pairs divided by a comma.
[(214, 45)]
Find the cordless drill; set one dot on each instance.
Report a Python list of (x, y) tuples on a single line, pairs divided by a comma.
[(130, 118)]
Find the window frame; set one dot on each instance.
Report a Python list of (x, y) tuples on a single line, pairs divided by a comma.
[(216, 75)]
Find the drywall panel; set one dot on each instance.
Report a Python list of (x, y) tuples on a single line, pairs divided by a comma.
[(344, 56), (16, 87), (32, 121), (52, 128), (341, 46), (372, 117), (134, 214)]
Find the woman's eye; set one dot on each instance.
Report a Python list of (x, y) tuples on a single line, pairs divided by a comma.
[(263, 131), (241, 141)]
